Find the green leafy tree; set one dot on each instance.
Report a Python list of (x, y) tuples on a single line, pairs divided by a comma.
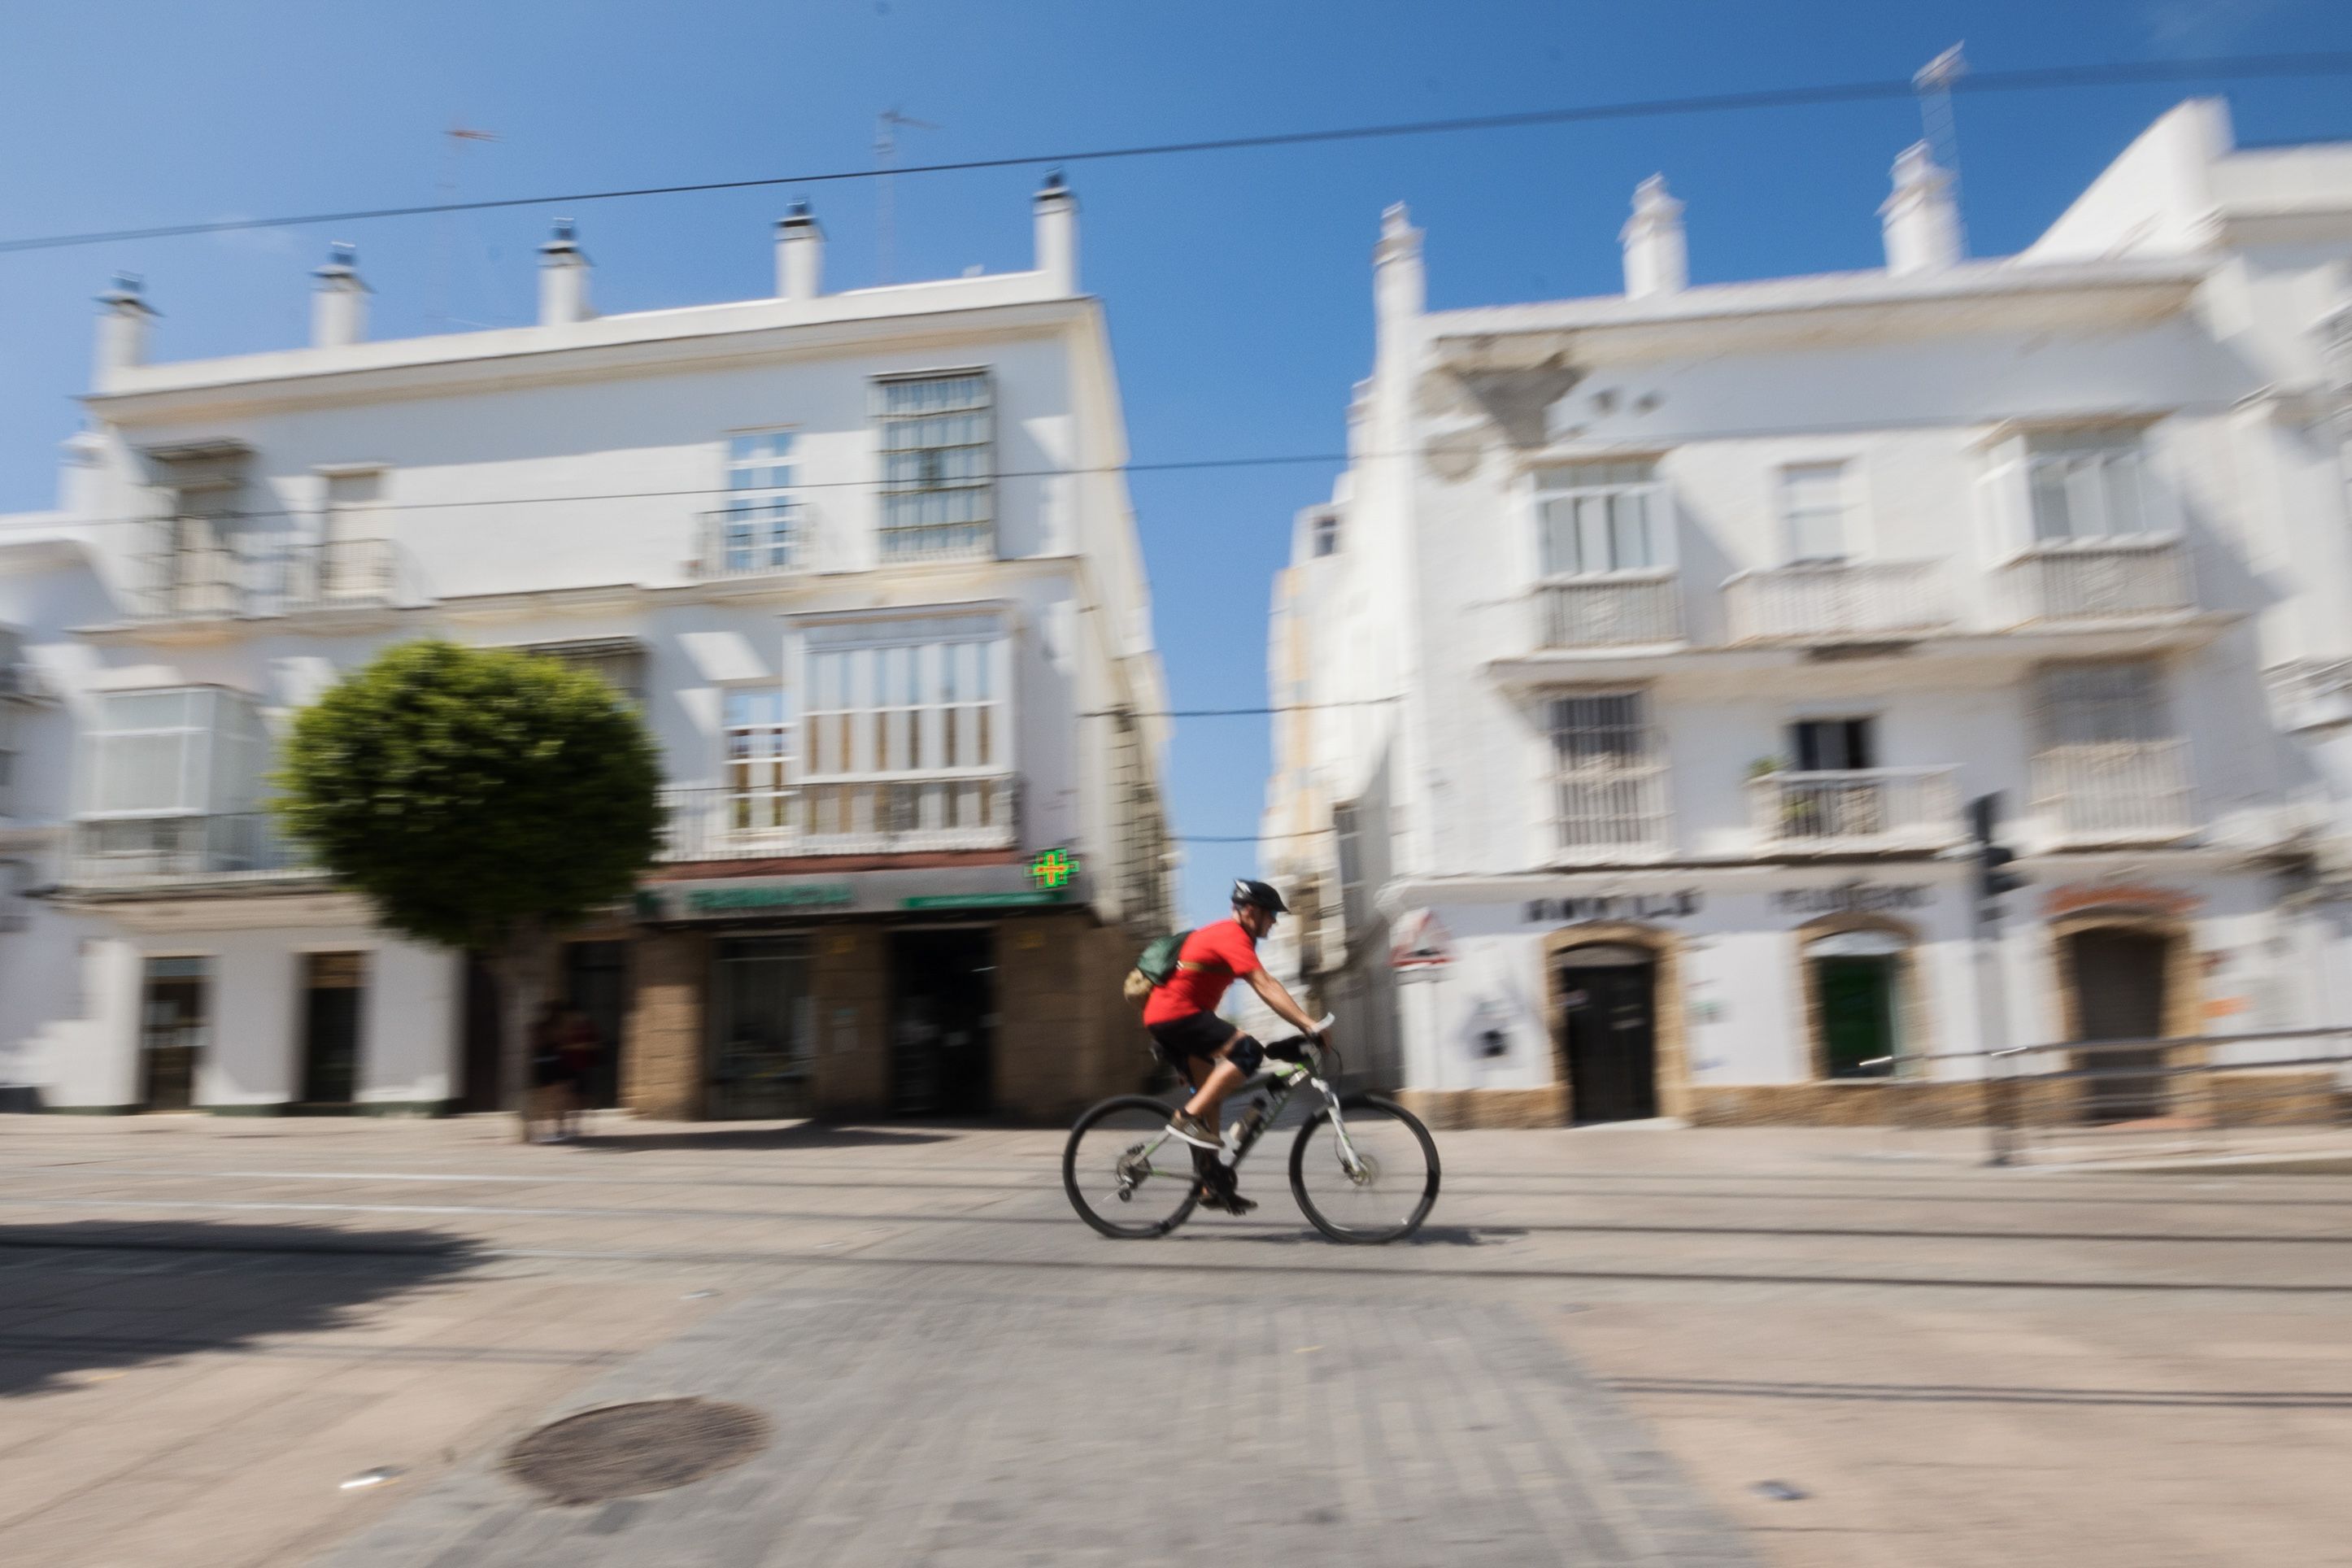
[(477, 798)]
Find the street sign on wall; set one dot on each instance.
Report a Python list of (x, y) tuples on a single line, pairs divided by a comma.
[(1421, 942)]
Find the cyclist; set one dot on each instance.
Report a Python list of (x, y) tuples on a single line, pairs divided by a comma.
[(1213, 1055)]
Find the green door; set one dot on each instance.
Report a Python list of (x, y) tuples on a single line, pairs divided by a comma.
[(1857, 1000)]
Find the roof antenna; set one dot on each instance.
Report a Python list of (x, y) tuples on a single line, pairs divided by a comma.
[(446, 188), (885, 148), (1933, 83)]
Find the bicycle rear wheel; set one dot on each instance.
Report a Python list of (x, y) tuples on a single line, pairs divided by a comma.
[(1389, 1187), (1127, 1174)]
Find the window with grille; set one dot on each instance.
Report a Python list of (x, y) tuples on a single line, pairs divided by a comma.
[(1812, 510), (1347, 828), (1598, 517), (760, 527), (618, 662), (1607, 777), (938, 474), (759, 761), (2103, 704), (7, 757), (2087, 484)]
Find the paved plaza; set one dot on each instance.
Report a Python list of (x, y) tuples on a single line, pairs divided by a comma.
[(1608, 1346)]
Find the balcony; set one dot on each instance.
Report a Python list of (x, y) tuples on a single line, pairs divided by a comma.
[(1857, 812), (1619, 611), (874, 817), (1837, 601), (769, 539), (2114, 792), (241, 578), (2070, 582), (129, 853)]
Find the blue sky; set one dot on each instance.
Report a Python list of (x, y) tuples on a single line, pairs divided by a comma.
[(1237, 283)]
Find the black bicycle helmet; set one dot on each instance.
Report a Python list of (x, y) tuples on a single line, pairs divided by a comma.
[(1260, 894)]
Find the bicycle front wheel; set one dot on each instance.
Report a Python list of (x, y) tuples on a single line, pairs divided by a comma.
[(1127, 1174), (1369, 1177)]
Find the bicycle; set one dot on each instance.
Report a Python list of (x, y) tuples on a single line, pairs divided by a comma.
[(1362, 1168)]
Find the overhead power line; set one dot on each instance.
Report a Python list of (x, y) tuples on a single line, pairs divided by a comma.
[(2042, 78), (1237, 712)]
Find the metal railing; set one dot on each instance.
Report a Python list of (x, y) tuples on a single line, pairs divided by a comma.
[(1872, 808), (160, 851), (1837, 601), (257, 576), (760, 540), (2283, 1092), (936, 542), (852, 817), (1608, 611), (2114, 791), (2096, 580), (1610, 813)]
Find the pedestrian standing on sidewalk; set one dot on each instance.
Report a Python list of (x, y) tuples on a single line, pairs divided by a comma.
[(548, 1076)]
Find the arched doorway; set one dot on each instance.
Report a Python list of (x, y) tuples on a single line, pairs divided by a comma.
[(2119, 990), (1609, 994)]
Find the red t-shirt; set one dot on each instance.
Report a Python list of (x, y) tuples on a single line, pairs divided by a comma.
[(1223, 953)]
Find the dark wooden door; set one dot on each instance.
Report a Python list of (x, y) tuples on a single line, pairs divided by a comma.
[(2119, 995), (334, 985), (174, 1021), (1613, 1055), (942, 1023), (1857, 1002), (596, 981)]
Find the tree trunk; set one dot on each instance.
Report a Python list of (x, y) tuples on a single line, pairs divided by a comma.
[(521, 965)]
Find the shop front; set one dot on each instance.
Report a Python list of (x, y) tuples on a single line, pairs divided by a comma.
[(953, 992)]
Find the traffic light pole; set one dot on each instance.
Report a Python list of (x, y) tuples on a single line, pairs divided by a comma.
[(1989, 884)]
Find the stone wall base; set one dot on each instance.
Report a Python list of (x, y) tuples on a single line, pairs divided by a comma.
[(1858, 1103), (1455, 1110)]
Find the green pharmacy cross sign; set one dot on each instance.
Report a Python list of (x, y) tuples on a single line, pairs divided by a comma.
[(1052, 870)]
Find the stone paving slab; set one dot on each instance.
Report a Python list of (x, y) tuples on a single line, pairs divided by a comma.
[(955, 1425)]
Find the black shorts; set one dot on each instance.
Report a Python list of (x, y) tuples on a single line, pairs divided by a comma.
[(1204, 1034)]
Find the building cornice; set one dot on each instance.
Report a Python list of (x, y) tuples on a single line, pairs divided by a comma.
[(653, 342)]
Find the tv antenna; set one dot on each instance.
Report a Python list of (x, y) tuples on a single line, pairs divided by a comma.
[(886, 126), (1933, 83), (459, 137)]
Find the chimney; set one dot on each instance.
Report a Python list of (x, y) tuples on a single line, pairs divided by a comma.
[(339, 302), (564, 279), (1921, 220), (1656, 261), (1057, 234), (800, 255), (1398, 286), (122, 329)]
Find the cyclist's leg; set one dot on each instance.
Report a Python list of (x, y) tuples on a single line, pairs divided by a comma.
[(1228, 1066)]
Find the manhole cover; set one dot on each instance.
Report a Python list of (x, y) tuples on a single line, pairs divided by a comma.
[(623, 1450)]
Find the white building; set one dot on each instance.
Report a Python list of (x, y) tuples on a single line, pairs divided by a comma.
[(1657, 644), (867, 562)]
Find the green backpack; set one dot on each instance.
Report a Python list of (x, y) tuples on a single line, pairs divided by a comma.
[(1155, 967)]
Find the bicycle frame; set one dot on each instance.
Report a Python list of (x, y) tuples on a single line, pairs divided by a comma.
[(1279, 1080)]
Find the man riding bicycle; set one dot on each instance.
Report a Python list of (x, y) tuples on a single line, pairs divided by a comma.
[(1213, 1055)]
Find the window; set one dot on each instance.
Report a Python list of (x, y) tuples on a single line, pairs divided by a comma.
[(1347, 829), (937, 473), (759, 739), (905, 725), (618, 662), (7, 756), (2102, 704), (1326, 534), (195, 750), (2086, 484), (1834, 745), (760, 526), (1607, 779), (1601, 517), (1812, 510)]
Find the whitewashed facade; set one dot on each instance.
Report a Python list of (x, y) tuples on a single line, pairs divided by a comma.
[(1653, 646), (866, 559)]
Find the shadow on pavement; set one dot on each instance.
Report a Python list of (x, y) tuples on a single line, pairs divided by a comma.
[(93, 1295), (1427, 1236), (806, 1135)]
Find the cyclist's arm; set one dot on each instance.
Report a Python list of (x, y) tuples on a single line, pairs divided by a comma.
[(1270, 991)]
